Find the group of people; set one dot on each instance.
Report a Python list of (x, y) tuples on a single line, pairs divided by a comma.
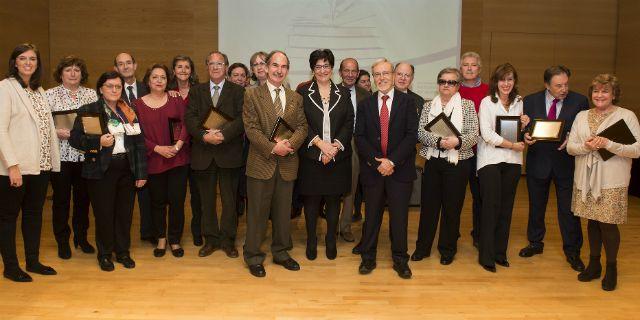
[(338, 138)]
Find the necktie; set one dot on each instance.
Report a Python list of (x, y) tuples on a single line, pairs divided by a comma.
[(216, 95), (278, 104), (552, 110), (384, 125), (132, 96)]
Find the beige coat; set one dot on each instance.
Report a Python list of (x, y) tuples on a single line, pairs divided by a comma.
[(19, 137)]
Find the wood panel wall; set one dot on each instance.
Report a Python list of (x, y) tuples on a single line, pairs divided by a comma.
[(20, 22), (628, 52)]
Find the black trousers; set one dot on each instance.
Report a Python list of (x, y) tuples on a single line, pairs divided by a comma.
[(147, 229), (112, 199), (30, 199), (69, 180), (474, 186), (312, 207), (569, 224), (498, 183), (396, 195), (196, 206), (443, 189), (169, 188), (223, 232)]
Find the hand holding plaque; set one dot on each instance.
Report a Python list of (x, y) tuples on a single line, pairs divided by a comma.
[(281, 131), (93, 124), (618, 132), (547, 130), (64, 119), (442, 127)]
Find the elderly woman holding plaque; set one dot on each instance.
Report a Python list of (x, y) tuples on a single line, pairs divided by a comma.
[(499, 163), (167, 144), (448, 130), (115, 163), (603, 141), (29, 152), (64, 100)]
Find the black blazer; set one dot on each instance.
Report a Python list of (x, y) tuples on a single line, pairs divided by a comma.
[(340, 112), (543, 157), (141, 87), (228, 154), (419, 101), (97, 158), (403, 136)]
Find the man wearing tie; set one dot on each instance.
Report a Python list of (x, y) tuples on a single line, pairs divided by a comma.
[(549, 161), (125, 65), (349, 73), (216, 154), (386, 137), (272, 166)]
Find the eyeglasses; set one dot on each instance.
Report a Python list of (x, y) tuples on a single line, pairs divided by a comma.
[(111, 86), (382, 74), (403, 75), (215, 64), (319, 67), (451, 83), (256, 64)]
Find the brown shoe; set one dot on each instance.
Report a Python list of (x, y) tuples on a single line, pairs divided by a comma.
[(231, 251), (207, 250)]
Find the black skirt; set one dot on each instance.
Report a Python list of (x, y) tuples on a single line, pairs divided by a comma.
[(315, 178)]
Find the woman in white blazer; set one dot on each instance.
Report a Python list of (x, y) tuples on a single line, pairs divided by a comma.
[(29, 152), (600, 187)]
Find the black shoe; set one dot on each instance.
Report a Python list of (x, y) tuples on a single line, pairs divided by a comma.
[(402, 268), (331, 251), (257, 270), (64, 250), (576, 263), (288, 264), (106, 264), (177, 252), (356, 249), (489, 268), (17, 275), (592, 271), (530, 251), (356, 217), (39, 268), (502, 262), (366, 266), (126, 261), (85, 246), (207, 250), (418, 256), (230, 251), (157, 252), (610, 279), (311, 252), (445, 261), (197, 241)]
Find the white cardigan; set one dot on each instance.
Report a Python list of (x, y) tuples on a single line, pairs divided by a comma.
[(591, 172), (19, 137)]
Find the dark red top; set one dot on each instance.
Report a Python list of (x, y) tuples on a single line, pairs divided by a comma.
[(475, 94), (155, 126)]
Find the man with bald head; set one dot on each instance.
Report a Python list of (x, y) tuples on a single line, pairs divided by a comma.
[(404, 72), (386, 137), (272, 165), (349, 70)]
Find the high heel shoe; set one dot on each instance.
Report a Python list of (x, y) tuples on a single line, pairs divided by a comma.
[(159, 252), (64, 250), (177, 252), (85, 246)]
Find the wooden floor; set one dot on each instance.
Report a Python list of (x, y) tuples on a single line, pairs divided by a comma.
[(216, 287)]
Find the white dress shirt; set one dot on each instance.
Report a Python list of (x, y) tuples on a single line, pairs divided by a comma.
[(272, 90), (488, 153), (389, 101), (212, 85), (549, 100), (133, 86)]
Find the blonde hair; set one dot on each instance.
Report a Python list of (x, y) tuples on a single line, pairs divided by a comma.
[(605, 79)]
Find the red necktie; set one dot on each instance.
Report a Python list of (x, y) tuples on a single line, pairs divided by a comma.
[(384, 125), (552, 110)]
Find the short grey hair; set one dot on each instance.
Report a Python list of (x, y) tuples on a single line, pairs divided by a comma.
[(471, 54)]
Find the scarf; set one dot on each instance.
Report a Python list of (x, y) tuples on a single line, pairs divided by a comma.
[(453, 110)]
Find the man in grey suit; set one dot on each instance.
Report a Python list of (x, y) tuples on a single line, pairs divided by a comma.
[(349, 70), (216, 153)]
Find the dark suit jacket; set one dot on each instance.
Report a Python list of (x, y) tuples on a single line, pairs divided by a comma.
[(418, 100), (228, 154), (403, 136), (361, 94), (97, 159), (142, 89), (543, 157)]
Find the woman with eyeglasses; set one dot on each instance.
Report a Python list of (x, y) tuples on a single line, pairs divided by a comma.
[(29, 152), (115, 164), (258, 63), (499, 166), (72, 74), (324, 174), (446, 170)]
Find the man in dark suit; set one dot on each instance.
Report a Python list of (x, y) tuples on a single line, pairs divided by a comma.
[(349, 73), (216, 153), (549, 161), (125, 64), (403, 79), (386, 137), (272, 165)]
